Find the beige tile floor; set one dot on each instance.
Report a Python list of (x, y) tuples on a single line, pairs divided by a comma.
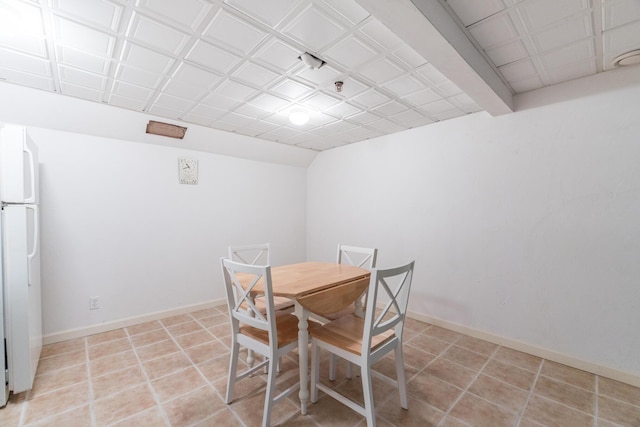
[(173, 372)]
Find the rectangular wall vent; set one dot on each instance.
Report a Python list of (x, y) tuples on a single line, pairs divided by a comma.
[(166, 129)]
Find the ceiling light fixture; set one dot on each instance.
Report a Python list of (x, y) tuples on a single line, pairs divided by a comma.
[(311, 61), (298, 117), (628, 58)]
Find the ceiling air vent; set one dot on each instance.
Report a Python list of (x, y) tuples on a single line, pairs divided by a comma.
[(166, 129)]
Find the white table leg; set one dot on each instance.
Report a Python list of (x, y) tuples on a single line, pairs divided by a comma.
[(303, 354)]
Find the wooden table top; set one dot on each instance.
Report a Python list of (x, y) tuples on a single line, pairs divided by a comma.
[(297, 280)]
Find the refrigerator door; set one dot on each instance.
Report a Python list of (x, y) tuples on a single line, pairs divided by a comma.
[(18, 166), (22, 293)]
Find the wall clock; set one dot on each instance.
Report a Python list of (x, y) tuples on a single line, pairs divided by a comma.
[(188, 171)]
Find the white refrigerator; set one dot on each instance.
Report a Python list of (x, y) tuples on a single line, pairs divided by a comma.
[(20, 308)]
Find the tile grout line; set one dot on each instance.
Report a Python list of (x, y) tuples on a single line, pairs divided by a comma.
[(533, 386), (92, 406), (447, 413)]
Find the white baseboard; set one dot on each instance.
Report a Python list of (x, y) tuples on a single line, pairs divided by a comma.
[(545, 353), (129, 321)]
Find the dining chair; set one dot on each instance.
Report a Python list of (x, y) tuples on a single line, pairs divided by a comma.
[(270, 333), (258, 254), (364, 341), (359, 257)]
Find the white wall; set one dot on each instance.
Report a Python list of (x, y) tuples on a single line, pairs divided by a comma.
[(524, 226), (117, 224)]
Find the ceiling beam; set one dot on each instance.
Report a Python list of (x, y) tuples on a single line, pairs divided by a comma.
[(428, 28)]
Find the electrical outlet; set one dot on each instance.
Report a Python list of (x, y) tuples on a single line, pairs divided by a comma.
[(94, 303)]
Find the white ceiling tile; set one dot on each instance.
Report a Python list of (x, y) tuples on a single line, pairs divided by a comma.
[(222, 125), (343, 110), (270, 12), (350, 10), (381, 34), (279, 118), (214, 99), (432, 75), (620, 12), (80, 92), (320, 101), (359, 134), (280, 133), (255, 74), (146, 59), (364, 118), (157, 35), (82, 78), (471, 12), (161, 111), (506, 53), (381, 70), (319, 76), (187, 13), (390, 108), (540, 13), (350, 53), (520, 70), (422, 97), (26, 63), (464, 102), (25, 43), (27, 79), (124, 102), (404, 85), (268, 102), (103, 13), (314, 29), (235, 90), (339, 126), (196, 119), (238, 119), (83, 38), (21, 28), (130, 91), (447, 89), (251, 111), (621, 40), (320, 144), (291, 89), (82, 60), (451, 114), (320, 119), (183, 89), (196, 76), (173, 102), (138, 77), (370, 99), (231, 31), (494, 31), (408, 117), (386, 126), (279, 54), (437, 107), (409, 56), (572, 71), (583, 50), (212, 57), (563, 33), (211, 113)]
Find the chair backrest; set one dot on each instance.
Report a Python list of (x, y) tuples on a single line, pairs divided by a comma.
[(257, 254), (240, 281), (360, 257), (393, 284)]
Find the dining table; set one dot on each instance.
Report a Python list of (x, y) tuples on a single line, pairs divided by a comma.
[(318, 288)]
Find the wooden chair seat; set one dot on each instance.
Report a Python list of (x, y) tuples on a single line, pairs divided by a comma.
[(279, 303), (347, 332), (287, 326)]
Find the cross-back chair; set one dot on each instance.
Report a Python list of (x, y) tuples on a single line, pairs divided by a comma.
[(266, 331), (364, 341)]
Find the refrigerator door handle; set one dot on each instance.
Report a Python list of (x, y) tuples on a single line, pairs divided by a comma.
[(32, 173), (36, 220)]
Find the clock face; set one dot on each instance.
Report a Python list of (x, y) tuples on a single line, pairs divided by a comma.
[(188, 171)]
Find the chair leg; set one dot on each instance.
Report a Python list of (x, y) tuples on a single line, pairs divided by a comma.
[(271, 388), (367, 393), (349, 370), (233, 372), (332, 367), (402, 382), (315, 372)]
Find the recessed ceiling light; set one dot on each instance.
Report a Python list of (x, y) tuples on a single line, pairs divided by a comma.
[(628, 58), (298, 117)]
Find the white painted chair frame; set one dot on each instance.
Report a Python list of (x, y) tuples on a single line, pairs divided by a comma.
[(236, 296), (373, 325), (365, 258)]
